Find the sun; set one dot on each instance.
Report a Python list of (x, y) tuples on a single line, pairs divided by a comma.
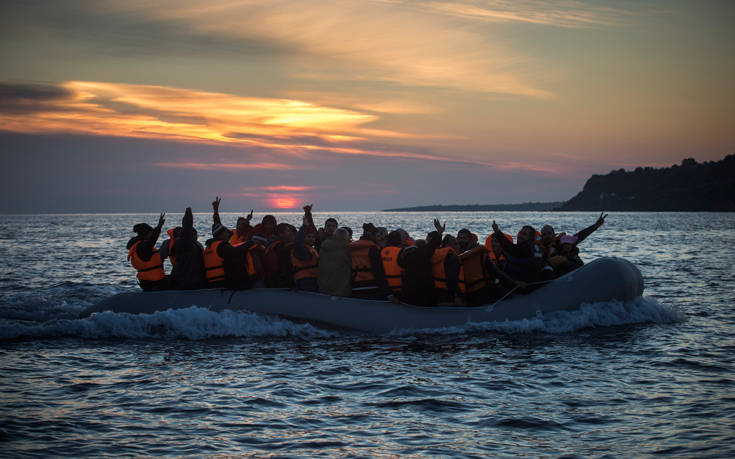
[(284, 203)]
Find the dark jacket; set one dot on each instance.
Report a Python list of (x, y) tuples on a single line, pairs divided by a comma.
[(188, 273), (418, 281), (525, 261)]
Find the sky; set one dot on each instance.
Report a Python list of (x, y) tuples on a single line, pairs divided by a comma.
[(140, 106)]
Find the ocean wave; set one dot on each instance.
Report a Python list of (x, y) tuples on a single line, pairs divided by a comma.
[(193, 323), (603, 314)]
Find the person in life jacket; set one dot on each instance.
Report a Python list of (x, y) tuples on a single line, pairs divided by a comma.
[(389, 254), (551, 242), (525, 260), (165, 249), (466, 240), (445, 270), (418, 279), (335, 264), (481, 281), (225, 265), (406, 239), (567, 256), (145, 258), (304, 258), (242, 231), (267, 230), (188, 270), (495, 250), (278, 269), (368, 277)]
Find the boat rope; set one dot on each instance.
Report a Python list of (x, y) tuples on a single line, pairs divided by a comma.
[(492, 306)]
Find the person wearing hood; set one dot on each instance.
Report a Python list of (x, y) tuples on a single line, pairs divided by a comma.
[(188, 269), (144, 256)]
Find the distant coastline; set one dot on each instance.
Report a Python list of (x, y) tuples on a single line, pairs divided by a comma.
[(527, 206), (686, 187)]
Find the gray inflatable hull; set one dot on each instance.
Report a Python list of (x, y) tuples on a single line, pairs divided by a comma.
[(604, 279)]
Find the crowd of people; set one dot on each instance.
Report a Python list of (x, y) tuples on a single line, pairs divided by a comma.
[(441, 269)]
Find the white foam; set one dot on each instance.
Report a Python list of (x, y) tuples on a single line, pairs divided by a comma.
[(603, 314), (197, 323), (190, 323)]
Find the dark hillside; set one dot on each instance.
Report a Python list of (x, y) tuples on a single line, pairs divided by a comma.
[(690, 186)]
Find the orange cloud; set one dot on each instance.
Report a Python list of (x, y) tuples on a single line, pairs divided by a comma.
[(128, 110)]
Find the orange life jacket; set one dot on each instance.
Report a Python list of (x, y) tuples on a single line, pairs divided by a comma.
[(214, 265), (489, 244), (472, 274), (171, 258), (393, 272), (361, 268), (250, 264), (256, 271), (151, 270), (437, 267), (553, 247), (236, 239), (305, 268)]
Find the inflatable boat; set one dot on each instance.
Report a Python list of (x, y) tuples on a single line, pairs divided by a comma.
[(604, 279)]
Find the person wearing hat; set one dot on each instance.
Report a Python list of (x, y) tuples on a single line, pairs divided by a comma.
[(225, 265), (144, 256)]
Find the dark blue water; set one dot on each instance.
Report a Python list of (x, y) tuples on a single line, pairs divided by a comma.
[(652, 376)]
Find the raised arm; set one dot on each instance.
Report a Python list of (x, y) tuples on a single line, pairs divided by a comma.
[(582, 235), (215, 208), (145, 248)]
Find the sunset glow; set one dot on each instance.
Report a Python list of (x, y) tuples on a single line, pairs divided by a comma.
[(353, 105), (284, 203)]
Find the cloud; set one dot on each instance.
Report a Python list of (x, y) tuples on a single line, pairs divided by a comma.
[(567, 14), (27, 98), (399, 43), (127, 110), (292, 129), (233, 167)]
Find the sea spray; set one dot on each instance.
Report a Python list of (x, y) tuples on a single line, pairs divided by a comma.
[(193, 323), (603, 314)]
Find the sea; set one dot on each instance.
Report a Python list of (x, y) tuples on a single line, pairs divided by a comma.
[(649, 377)]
